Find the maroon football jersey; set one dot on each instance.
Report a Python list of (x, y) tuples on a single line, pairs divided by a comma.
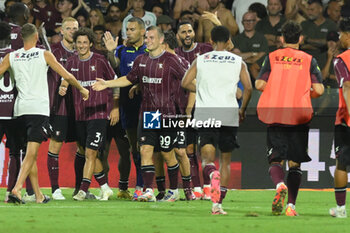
[(8, 91), (58, 103), (181, 98), (158, 77), (199, 49), (86, 72), (16, 38)]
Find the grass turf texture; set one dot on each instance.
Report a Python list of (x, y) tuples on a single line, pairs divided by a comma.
[(248, 211)]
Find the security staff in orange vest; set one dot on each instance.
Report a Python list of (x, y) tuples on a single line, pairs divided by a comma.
[(289, 78), (342, 122)]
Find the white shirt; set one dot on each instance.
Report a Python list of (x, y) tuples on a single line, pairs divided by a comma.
[(149, 19), (30, 72), (218, 73)]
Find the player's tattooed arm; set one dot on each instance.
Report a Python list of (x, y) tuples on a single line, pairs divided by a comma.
[(111, 45)]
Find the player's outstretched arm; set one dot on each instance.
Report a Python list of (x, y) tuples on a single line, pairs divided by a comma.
[(190, 75), (101, 84), (317, 90), (5, 65), (52, 62), (247, 89)]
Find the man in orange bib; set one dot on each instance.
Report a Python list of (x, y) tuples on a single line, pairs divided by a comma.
[(342, 122), (289, 78)]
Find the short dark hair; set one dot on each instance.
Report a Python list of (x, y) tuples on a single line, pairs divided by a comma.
[(5, 30), (186, 13), (259, 9), (17, 10), (344, 25), (157, 4), (111, 5), (84, 32), (170, 39), (139, 21), (99, 28), (319, 2), (220, 34), (183, 23), (291, 32), (28, 30), (159, 31)]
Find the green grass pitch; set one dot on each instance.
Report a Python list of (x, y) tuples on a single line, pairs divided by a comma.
[(248, 211)]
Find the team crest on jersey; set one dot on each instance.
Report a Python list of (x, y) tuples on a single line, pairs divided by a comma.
[(160, 65), (16, 55), (148, 22), (93, 68), (207, 56)]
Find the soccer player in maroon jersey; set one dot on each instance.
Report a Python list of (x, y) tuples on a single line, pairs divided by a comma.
[(181, 97), (156, 74), (91, 116), (19, 15), (342, 123), (61, 108), (190, 50)]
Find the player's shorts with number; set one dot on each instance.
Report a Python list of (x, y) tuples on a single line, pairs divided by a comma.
[(91, 134)]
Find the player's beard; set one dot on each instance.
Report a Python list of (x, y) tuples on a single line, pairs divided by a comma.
[(185, 45)]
